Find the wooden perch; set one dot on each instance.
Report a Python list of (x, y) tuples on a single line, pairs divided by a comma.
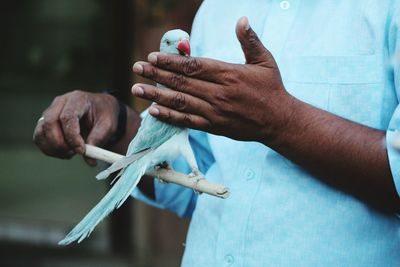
[(196, 183)]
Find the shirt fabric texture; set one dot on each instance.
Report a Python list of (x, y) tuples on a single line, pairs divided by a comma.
[(342, 56)]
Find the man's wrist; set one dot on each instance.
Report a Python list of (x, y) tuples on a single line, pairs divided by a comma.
[(284, 121)]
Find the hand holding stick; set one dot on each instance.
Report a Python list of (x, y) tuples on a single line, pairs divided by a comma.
[(200, 185)]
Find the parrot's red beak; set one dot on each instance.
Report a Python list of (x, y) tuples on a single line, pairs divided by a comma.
[(184, 47)]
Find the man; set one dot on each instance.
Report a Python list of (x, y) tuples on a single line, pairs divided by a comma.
[(316, 186)]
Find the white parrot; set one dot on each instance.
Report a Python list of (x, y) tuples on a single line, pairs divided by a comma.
[(155, 144)]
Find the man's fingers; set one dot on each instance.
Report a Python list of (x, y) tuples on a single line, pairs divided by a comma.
[(176, 81), (69, 119), (254, 51), (196, 67), (179, 118), (53, 133), (172, 99), (50, 146), (48, 134), (199, 68)]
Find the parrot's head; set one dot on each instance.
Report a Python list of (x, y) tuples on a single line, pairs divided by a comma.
[(175, 42)]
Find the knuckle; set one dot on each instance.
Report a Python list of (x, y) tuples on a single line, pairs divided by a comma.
[(191, 66), (48, 125), (206, 125), (253, 38), (76, 92), (221, 97), (57, 99), (167, 62), (155, 95), (186, 119), (218, 117), (230, 76), (178, 81), (72, 94), (150, 72), (220, 120), (67, 118), (167, 115), (179, 101)]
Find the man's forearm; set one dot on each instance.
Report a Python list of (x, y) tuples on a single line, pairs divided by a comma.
[(344, 154)]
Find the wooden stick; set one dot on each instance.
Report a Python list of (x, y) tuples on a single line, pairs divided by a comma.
[(198, 184)]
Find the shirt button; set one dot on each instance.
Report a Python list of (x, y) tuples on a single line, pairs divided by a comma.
[(249, 174), (229, 259), (285, 5)]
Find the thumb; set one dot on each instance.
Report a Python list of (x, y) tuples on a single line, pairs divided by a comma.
[(99, 135), (254, 51)]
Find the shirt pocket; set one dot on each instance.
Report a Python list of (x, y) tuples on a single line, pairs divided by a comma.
[(349, 86)]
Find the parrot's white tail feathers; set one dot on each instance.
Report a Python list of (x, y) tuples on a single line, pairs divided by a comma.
[(121, 164), (103, 175), (117, 176), (112, 200)]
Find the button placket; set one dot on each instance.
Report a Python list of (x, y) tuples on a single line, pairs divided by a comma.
[(249, 174), (285, 5), (229, 259)]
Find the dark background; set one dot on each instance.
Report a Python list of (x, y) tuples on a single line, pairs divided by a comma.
[(50, 47)]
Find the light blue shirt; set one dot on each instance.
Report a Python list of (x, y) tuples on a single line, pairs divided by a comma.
[(338, 55)]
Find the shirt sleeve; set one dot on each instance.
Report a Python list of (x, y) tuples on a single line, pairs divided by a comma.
[(393, 132)]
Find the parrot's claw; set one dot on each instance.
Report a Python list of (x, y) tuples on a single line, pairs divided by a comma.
[(161, 180), (198, 179), (197, 175), (162, 165)]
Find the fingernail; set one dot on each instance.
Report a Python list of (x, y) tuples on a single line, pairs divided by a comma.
[(152, 58), (137, 90), (154, 111), (137, 68), (247, 24)]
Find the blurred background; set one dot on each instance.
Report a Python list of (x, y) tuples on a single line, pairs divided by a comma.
[(50, 47)]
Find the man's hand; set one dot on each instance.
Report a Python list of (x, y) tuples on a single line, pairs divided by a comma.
[(74, 119), (249, 102), (240, 101)]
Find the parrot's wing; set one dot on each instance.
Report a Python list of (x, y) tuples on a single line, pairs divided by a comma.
[(151, 134)]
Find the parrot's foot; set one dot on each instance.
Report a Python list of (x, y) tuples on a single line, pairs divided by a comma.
[(161, 180), (162, 165), (197, 175)]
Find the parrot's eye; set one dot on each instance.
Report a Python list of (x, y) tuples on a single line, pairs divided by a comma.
[(168, 42)]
